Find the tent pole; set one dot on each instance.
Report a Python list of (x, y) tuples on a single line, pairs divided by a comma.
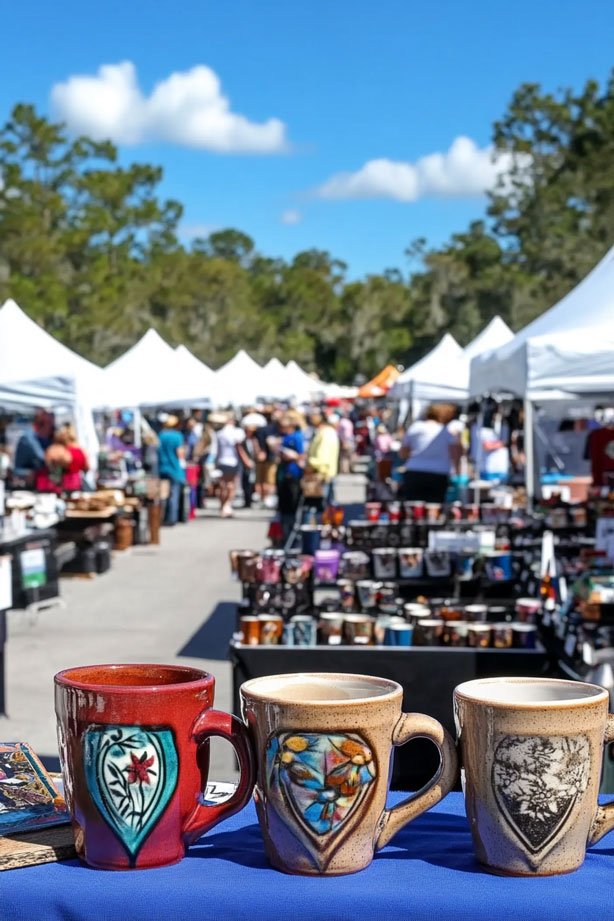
[(136, 422), (529, 452), (478, 453)]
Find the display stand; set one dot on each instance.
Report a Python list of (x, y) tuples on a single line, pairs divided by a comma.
[(2, 669), (427, 674)]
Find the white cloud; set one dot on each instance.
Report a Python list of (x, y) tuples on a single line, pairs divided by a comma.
[(187, 108), (462, 171), (291, 217)]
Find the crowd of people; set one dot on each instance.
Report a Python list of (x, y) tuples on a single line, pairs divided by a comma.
[(280, 457)]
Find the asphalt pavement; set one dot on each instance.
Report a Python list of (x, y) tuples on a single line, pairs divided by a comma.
[(172, 603)]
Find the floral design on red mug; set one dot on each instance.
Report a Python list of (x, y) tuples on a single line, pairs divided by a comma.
[(537, 781), (131, 773)]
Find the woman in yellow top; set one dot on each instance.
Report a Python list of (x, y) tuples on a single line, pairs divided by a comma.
[(323, 454)]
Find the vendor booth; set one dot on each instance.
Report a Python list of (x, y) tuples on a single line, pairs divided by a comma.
[(37, 370), (565, 354)]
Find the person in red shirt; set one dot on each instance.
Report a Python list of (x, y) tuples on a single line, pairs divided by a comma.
[(600, 451), (65, 464)]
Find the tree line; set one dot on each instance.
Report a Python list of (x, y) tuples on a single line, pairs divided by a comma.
[(92, 252)]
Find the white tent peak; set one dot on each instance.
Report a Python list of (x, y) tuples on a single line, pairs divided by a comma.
[(194, 362), (45, 351), (241, 363), (274, 364), (149, 347), (442, 374), (493, 336), (152, 373)]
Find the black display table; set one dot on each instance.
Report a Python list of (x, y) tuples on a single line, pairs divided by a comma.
[(30, 584), (427, 674)]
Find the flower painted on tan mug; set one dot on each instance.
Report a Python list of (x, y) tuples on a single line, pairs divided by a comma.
[(323, 775), (537, 780)]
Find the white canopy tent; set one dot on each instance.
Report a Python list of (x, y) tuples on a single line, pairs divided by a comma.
[(304, 387), (38, 370), (493, 336), (340, 391), (238, 382), (568, 350), (274, 383), (441, 375), (198, 369), (565, 353), (152, 374)]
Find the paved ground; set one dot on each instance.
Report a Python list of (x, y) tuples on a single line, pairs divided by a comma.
[(173, 603)]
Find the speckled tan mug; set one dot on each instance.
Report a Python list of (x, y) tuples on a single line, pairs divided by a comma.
[(531, 754), (323, 747)]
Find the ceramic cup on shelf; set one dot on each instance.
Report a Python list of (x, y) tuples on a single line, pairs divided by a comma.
[(411, 562), (134, 748), (531, 755), (358, 629), (323, 744), (330, 628)]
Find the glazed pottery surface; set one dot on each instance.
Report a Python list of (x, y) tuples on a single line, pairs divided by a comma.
[(323, 750), (531, 754), (134, 747)]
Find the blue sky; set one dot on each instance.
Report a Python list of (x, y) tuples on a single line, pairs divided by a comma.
[(320, 88)]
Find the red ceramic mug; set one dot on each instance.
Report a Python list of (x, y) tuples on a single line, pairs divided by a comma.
[(134, 747)]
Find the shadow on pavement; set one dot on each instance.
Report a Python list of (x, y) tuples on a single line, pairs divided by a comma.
[(212, 638)]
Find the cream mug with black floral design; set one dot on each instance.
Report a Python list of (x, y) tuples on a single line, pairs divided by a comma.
[(531, 754), (323, 744)]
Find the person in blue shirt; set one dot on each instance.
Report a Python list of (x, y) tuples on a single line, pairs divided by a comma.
[(290, 470), (31, 447), (171, 465)]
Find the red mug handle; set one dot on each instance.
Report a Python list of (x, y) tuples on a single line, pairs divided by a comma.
[(215, 723)]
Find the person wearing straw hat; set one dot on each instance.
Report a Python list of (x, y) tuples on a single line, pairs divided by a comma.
[(171, 465)]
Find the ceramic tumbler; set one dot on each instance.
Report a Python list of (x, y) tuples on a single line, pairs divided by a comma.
[(134, 748), (531, 756), (358, 629), (330, 628), (305, 628), (323, 746), (271, 629)]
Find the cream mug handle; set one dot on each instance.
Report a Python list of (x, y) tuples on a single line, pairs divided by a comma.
[(604, 817), (420, 726)]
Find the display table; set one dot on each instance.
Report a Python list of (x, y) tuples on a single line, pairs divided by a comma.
[(34, 566), (427, 872), (427, 674)]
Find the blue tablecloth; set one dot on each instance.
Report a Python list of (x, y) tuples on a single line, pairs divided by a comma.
[(427, 872)]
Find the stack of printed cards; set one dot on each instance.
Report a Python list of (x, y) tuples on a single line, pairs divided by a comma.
[(28, 798)]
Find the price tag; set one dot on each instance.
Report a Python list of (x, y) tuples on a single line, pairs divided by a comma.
[(33, 568)]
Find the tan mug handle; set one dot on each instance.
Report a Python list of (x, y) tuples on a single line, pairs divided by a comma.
[(420, 726), (604, 817)]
